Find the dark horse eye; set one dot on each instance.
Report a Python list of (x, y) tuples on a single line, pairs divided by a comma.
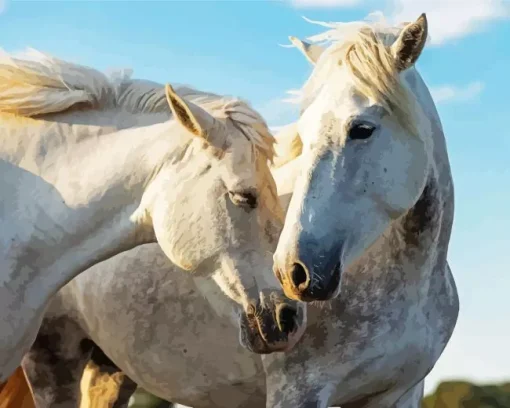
[(361, 131), (247, 199)]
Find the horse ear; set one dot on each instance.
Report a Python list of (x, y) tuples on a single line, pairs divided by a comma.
[(192, 117), (312, 52), (407, 48)]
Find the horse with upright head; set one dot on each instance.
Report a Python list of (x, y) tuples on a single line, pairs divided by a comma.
[(368, 225), (93, 167)]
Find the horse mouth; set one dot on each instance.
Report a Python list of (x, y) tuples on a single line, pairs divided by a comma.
[(258, 339)]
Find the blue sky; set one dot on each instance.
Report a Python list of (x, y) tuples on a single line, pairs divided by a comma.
[(231, 47)]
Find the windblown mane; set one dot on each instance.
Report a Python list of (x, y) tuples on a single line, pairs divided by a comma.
[(34, 83), (288, 145), (363, 47)]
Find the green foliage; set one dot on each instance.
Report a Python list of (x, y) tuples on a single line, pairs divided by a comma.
[(461, 394), (142, 399), (448, 394)]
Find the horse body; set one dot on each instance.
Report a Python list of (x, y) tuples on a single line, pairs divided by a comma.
[(369, 222), (81, 182)]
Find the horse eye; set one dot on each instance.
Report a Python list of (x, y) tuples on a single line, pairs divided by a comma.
[(361, 131), (247, 199)]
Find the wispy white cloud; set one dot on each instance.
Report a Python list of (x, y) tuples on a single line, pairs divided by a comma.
[(276, 129), (450, 93), (451, 19), (278, 112), (324, 3), (448, 19)]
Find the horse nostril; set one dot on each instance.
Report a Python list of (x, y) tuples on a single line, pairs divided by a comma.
[(299, 276), (286, 318)]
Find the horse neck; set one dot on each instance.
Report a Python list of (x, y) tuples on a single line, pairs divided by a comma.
[(285, 178), (87, 191), (440, 181), (415, 246)]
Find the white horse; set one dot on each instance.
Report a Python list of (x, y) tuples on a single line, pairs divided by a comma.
[(369, 223), (369, 347), (86, 176)]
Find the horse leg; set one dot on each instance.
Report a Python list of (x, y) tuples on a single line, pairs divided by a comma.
[(107, 385), (54, 365)]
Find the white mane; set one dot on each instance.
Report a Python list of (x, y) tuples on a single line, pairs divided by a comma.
[(34, 83), (363, 47)]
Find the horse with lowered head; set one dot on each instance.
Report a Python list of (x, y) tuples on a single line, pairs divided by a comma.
[(86, 176)]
